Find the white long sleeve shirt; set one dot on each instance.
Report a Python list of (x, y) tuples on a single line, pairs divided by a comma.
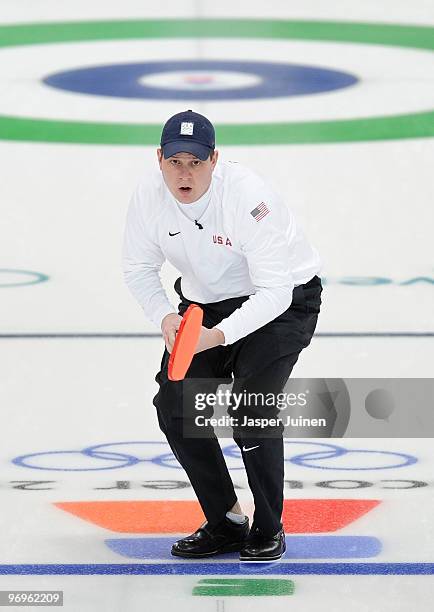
[(242, 250)]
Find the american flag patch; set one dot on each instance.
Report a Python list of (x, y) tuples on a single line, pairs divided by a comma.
[(260, 211)]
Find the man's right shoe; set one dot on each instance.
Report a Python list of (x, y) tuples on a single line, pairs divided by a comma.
[(227, 536)]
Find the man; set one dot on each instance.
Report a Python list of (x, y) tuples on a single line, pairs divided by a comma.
[(247, 263)]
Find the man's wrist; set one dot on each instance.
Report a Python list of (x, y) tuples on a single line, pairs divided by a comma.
[(165, 316), (220, 337)]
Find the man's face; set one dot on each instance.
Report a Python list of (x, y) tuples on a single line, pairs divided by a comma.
[(186, 176)]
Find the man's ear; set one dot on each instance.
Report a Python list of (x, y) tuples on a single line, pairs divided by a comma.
[(159, 156), (214, 158)]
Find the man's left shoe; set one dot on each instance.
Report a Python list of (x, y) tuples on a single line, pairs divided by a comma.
[(263, 549)]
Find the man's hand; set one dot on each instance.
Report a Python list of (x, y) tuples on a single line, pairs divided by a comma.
[(209, 338), (169, 326)]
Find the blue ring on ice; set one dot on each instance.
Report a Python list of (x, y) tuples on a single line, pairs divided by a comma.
[(276, 80)]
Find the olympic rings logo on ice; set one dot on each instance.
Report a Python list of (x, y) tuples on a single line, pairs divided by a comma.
[(101, 457), (21, 278)]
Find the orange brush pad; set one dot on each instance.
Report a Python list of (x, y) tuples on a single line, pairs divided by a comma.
[(186, 341)]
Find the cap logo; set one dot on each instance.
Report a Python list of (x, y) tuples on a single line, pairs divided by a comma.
[(187, 128)]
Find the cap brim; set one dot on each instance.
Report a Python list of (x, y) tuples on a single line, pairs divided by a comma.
[(184, 146)]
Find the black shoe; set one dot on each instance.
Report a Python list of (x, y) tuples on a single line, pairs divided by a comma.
[(263, 549), (227, 536)]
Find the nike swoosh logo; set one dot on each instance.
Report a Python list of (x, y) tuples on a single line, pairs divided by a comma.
[(251, 448), (174, 233)]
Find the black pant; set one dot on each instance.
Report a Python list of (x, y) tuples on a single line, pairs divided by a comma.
[(261, 361)]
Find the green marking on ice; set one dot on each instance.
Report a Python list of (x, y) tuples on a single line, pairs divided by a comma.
[(237, 587)]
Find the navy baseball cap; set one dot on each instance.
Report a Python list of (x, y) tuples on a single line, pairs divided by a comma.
[(189, 132)]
